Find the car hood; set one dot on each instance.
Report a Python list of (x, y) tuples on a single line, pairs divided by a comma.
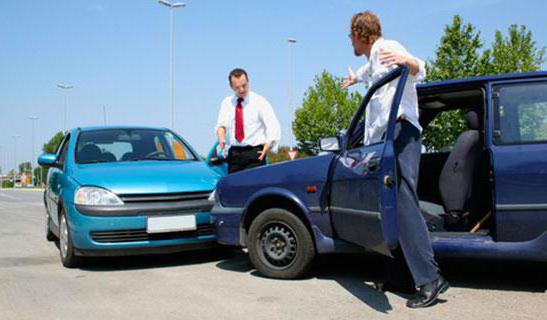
[(147, 176)]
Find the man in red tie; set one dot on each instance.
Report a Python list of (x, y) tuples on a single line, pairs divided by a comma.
[(250, 123)]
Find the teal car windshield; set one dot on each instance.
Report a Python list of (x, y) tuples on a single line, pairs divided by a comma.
[(120, 145)]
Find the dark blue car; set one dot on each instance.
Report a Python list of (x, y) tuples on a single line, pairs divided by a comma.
[(344, 199)]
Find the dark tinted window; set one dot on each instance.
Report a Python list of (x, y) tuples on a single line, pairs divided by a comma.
[(520, 114), (115, 145)]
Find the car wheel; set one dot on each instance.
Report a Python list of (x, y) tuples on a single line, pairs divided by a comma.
[(280, 245), (66, 249), (50, 236)]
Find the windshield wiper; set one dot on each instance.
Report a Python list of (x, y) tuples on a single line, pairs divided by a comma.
[(95, 161)]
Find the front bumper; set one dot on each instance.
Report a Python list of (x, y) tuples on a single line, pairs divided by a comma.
[(117, 234), (227, 225)]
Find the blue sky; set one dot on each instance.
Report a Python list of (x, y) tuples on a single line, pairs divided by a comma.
[(115, 52)]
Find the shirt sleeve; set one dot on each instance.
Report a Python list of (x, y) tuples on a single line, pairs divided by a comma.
[(273, 128), (361, 74), (223, 116), (397, 48)]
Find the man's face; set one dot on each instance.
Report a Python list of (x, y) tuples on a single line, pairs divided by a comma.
[(360, 46), (240, 85)]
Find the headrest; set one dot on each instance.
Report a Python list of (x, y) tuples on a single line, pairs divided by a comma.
[(89, 152), (473, 120)]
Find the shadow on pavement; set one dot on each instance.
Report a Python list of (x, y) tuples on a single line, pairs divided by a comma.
[(105, 264), (359, 274)]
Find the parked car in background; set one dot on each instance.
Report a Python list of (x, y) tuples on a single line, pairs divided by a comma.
[(345, 199), (127, 190)]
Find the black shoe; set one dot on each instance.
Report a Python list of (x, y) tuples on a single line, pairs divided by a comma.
[(396, 288), (428, 293)]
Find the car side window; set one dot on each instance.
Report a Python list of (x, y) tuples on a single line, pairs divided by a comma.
[(520, 113), (63, 150), (380, 97)]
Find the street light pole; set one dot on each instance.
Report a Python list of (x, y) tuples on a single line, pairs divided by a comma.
[(32, 119), (291, 42), (14, 158), (171, 7), (104, 114), (65, 88)]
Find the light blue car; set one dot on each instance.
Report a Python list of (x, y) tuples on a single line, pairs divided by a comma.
[(128, 190)]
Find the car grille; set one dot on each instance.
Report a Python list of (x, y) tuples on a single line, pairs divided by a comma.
[(142, 235), (164, 197)]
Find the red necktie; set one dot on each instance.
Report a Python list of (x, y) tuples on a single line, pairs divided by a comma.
[(240, 133)]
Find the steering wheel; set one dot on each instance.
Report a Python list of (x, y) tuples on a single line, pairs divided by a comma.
[(156, 154)]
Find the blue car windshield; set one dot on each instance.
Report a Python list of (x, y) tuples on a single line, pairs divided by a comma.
[(120, 145)]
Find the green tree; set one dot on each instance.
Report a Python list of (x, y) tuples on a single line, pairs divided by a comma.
[(50, 147), (282, 154), (458, 55), (517, 52), (25, 167), (53, 143), (326, 110)]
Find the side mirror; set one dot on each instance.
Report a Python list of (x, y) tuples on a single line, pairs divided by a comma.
[(215, 161), (47, 160), (331, 144)]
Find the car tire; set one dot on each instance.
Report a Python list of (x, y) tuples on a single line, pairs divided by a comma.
[(66, 248), (280, 246), (50, 236)]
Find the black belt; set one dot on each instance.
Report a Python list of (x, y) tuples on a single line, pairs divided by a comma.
[(246, 148)]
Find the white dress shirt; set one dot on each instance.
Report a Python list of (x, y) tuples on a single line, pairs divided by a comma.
[(260, 124), (377, 112)]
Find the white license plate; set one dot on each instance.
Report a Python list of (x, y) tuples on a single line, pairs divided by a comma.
[(171, 224)]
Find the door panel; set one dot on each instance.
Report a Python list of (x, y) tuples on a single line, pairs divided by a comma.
[(518, 147), (363, 199)]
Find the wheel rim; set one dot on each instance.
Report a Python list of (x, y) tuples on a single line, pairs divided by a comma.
[(278, 245), (63, 241), (47, 223)]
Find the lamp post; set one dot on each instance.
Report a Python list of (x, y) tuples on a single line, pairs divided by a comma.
[(65, 88), (171, 7), (291, 42), (14, 158), (33, 119)]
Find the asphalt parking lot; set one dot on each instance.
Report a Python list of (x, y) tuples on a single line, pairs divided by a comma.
[(223, 284)]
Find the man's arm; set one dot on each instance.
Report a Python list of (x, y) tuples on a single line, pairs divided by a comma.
[(273, 129), (222, 123), (221, 136), (389, 59)]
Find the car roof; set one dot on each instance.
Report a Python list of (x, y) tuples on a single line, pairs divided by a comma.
[(477, 81), (120, 127)]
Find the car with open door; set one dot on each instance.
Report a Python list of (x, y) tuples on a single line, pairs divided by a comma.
[(494, 177), (127, 190)]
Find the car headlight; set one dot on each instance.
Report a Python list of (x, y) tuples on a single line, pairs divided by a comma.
[(213, 196), (93, 196)]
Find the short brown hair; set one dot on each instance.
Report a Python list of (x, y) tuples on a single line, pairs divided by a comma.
[(237, 72), (367, 26)]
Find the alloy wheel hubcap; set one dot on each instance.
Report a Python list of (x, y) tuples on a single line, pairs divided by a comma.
[(64, 237), (278, 245)]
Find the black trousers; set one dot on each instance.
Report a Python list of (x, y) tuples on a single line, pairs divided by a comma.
[(413, 235), (241, 158)]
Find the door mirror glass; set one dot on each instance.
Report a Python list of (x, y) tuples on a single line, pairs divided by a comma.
[(47, 160), (331, 144)]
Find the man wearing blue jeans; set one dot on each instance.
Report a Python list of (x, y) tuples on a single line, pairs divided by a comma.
[(366, 39)]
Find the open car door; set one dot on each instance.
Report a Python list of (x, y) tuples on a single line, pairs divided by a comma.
[(363, 198)]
